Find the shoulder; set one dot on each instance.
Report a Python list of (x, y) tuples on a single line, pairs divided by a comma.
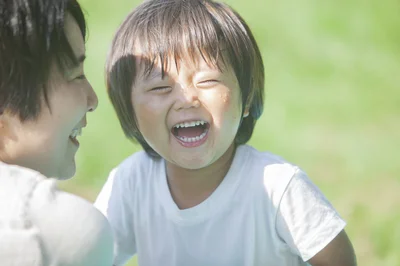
[(70, 226), (262, 158), (268, 174), (136, 171), (267, 167), (127, 181), (16, 186), (137, 163), (70, 229), (16, 172)]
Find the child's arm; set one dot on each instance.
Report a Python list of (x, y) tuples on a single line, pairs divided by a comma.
[(310, 226), (338, 252)]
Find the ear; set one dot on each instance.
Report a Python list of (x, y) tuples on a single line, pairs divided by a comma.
[(2, 122), (246, 111), (7, 130), (2, 131), (4, 125), (247, 107)]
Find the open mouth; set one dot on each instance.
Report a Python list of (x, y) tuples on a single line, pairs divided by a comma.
[(193, 132), (74, 134)]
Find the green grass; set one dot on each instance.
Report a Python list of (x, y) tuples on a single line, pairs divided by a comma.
[(332, 106)]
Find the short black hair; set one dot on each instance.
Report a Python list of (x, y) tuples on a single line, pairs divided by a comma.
[(32, 35), (166, 30)]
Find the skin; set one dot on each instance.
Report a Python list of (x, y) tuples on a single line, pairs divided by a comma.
[(339, 252), (44, 144)]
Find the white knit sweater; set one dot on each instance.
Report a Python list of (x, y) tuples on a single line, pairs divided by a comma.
[(43, 226)]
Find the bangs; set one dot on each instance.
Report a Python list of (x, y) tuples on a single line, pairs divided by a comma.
[(171, 30), (180, 31), (163, 33)]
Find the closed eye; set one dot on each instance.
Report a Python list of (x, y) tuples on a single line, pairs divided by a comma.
[(161, 89), (81, 77), (208, 83)]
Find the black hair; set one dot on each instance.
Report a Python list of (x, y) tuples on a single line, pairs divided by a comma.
[(32, 35)]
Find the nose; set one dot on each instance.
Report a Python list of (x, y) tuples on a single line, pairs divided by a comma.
[(187, 97), (92, 100)]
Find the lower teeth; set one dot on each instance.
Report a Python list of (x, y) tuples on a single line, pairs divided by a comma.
[(185, 139)]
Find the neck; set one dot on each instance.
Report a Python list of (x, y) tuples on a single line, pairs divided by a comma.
[(13, 157), (4, 155), (190, 187)]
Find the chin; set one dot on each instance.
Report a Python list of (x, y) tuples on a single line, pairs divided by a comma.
[(67, 173), (194, 163)]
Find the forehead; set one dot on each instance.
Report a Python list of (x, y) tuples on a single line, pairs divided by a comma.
[(149, 64), (74, 35)]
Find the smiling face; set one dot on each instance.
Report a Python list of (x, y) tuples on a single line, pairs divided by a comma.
[(191, 116), (48, 144)]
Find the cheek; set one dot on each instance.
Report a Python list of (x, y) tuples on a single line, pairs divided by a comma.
[(41, 148), (224, 106), (225, 97), (228, 105), (54, 137), (68, 107), (149, 114)]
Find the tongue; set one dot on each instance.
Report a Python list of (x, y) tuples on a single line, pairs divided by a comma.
[(190, 132)]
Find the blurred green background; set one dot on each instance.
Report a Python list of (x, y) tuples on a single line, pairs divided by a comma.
[(332, 106)]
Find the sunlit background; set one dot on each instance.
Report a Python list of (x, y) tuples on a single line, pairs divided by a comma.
[(332, 106)]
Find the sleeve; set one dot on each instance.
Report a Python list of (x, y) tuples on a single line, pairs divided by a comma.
[(113, 201), (72, 231), (306, 221)]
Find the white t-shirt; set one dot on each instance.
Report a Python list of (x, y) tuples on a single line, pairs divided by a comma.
[(42, 226), (265, 212)]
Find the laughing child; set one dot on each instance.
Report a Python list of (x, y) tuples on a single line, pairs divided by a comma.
[(186, 79)]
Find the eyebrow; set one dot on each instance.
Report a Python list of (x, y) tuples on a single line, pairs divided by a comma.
[(150, 76), (143, 78), (78, 61), (75, 64), (153, 75)]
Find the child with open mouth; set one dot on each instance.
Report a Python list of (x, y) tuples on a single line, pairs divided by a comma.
[(186, 79)]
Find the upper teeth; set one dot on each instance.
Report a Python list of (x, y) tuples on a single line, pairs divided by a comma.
[(190, 124), (76, 132)]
